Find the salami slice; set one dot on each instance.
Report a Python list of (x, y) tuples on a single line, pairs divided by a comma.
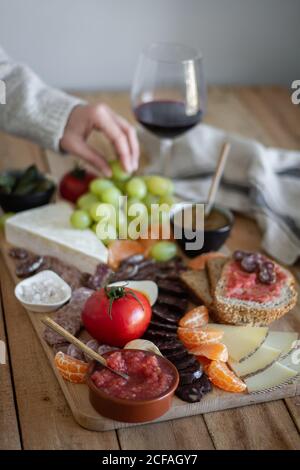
[(101, 277), (76, 353), (169, 346), (178, 303), (164, 313), (18, 253), (69, 316), (194, 392), (177, 355), (29, 266), (68, 273), (160, 334), (162, 326), (63, 347), (190, 375), (186, 362), (170, 286), (124, 274), (134, 259)]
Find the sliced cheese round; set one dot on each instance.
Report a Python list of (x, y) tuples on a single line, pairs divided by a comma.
[(275, 376), (242, 341), (264, 357)]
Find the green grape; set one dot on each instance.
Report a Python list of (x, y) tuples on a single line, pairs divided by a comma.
[(122, 224), (106, 232), (138, 221), (86, 200), (101, 210), (168, 199), (80, 219), (136, 187), (121, 185), (159, 186), (149, 199), (130, 201), (117, 171), (163, 251), (3, 219), (111, 196), (99, 185)]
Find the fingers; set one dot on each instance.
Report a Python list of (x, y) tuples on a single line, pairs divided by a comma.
[(120, 133), (132, 139), (87, 153)]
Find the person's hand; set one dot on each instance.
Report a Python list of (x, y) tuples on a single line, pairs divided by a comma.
[(81, 122)]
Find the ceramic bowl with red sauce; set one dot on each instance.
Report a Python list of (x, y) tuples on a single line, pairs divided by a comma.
[(147, 394)]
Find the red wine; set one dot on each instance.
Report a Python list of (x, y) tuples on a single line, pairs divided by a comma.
[(166, 119)]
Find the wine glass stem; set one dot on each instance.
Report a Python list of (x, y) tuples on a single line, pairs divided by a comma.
[(166, 152)]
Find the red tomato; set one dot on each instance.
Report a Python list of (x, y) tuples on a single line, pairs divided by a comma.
[(75, 183), (128, 318)]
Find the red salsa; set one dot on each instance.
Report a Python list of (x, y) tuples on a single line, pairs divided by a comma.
[(246, 286), (149, 375)]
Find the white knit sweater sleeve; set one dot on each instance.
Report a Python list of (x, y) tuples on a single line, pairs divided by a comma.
[(33, 110)]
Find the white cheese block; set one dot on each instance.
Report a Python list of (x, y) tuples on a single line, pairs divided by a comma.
[(47, 230), (264, 357), (273, 377), (282, 340), (242, 341)]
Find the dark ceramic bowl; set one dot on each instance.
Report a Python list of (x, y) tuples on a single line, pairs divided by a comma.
[(131, 411), (213, 239), (18, 202)]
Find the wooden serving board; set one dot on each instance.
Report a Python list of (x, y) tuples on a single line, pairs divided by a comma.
[(77, 396)]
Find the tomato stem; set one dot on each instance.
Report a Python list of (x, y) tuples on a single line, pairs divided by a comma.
[(118, 292)]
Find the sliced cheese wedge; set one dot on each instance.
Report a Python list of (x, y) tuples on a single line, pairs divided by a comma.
[(282, 340), (264, 357), (292, 361), (242, 341), (275, 376)]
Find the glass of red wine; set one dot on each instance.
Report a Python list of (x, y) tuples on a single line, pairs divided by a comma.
[(168, 93)]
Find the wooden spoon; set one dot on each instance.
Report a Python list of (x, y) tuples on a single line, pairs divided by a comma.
[(80, 345), (217, 178)]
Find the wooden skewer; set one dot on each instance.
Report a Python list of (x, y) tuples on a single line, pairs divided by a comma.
[(80, 345), (217, 177)]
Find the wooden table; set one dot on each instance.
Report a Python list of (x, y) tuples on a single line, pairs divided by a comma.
[(33, 411)]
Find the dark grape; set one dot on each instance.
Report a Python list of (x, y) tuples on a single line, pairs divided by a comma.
[(269, 265), (249, 263), (238, 255), (266, 277)]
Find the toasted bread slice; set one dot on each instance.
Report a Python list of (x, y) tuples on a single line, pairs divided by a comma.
[(198, 285), (242, 312), (214, 269)]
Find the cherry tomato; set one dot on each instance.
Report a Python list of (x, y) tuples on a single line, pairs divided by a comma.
[(75, 183), (116, 315)]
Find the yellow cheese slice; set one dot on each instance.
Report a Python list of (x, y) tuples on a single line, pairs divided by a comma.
[(264, 357), (282, 340), (292, 361), (274, 376), (242, 341)]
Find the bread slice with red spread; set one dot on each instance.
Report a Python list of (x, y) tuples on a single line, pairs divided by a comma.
[(240, 298)]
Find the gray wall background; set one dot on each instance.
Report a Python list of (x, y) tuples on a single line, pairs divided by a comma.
[(94, 44)]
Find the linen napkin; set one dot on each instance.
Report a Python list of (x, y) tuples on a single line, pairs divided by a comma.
[(261, 182)]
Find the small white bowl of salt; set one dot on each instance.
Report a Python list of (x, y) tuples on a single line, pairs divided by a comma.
[(43, 292)]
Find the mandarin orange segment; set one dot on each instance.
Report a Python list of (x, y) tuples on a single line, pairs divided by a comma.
[(71, 369), (122, 249), (221, 376), (213, 351), (195, 318), (200, 261), (204, 361), (192, 337)]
